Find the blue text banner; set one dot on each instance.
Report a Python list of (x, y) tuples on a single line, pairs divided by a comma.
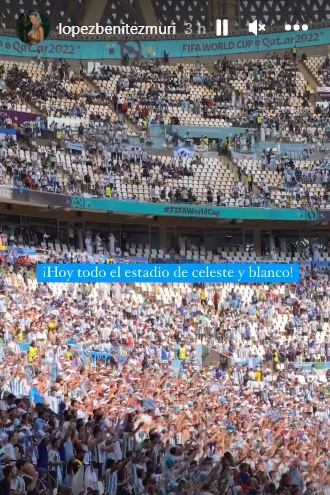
[(252, 273)]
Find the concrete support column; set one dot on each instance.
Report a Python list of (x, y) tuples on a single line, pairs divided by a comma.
[(94, 12), (257, 240), (148, 12), (225, 9)]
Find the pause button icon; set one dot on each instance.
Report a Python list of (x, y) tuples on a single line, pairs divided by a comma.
[(222, 27)]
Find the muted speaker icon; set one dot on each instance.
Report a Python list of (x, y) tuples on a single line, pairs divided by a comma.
[(253, 27)]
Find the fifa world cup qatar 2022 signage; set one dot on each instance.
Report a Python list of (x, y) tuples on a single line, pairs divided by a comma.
[(176, 48)]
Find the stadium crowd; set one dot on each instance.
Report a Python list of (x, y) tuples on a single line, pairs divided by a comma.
[(325, 71), (320, 68), (110, 396), (304, 181), (250, 93), (108, 166), (255, 93), (240, 93), (107, 389)]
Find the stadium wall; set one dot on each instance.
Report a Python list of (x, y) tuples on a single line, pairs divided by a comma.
[(156, 231), (184, 210)]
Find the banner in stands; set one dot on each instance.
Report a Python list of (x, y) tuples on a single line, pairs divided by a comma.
[(323, 104), (194, 211), (18, 117), (197, 131), (26, 196), (6, 192), (176, 48), (117, 206), (17, 252), (4, 133), (184, 151), (62, 122), (74, 146), (324, 93)]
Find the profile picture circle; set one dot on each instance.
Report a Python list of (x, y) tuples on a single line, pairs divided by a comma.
[(32, 27)]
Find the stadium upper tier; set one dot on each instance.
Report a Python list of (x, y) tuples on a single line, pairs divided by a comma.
[(166, 12), (320, 68), (101, 110), (242, 93), (66, 96), (233, 94), (287, 183), (147, 178)]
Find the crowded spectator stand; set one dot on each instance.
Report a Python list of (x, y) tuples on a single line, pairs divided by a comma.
[(161, 389), (106, 366)]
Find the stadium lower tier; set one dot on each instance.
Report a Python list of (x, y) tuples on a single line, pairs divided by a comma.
[(71, 233), (121, 388)]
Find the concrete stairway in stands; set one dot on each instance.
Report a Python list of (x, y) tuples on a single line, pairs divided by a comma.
[(309, 77), (131, 127)]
